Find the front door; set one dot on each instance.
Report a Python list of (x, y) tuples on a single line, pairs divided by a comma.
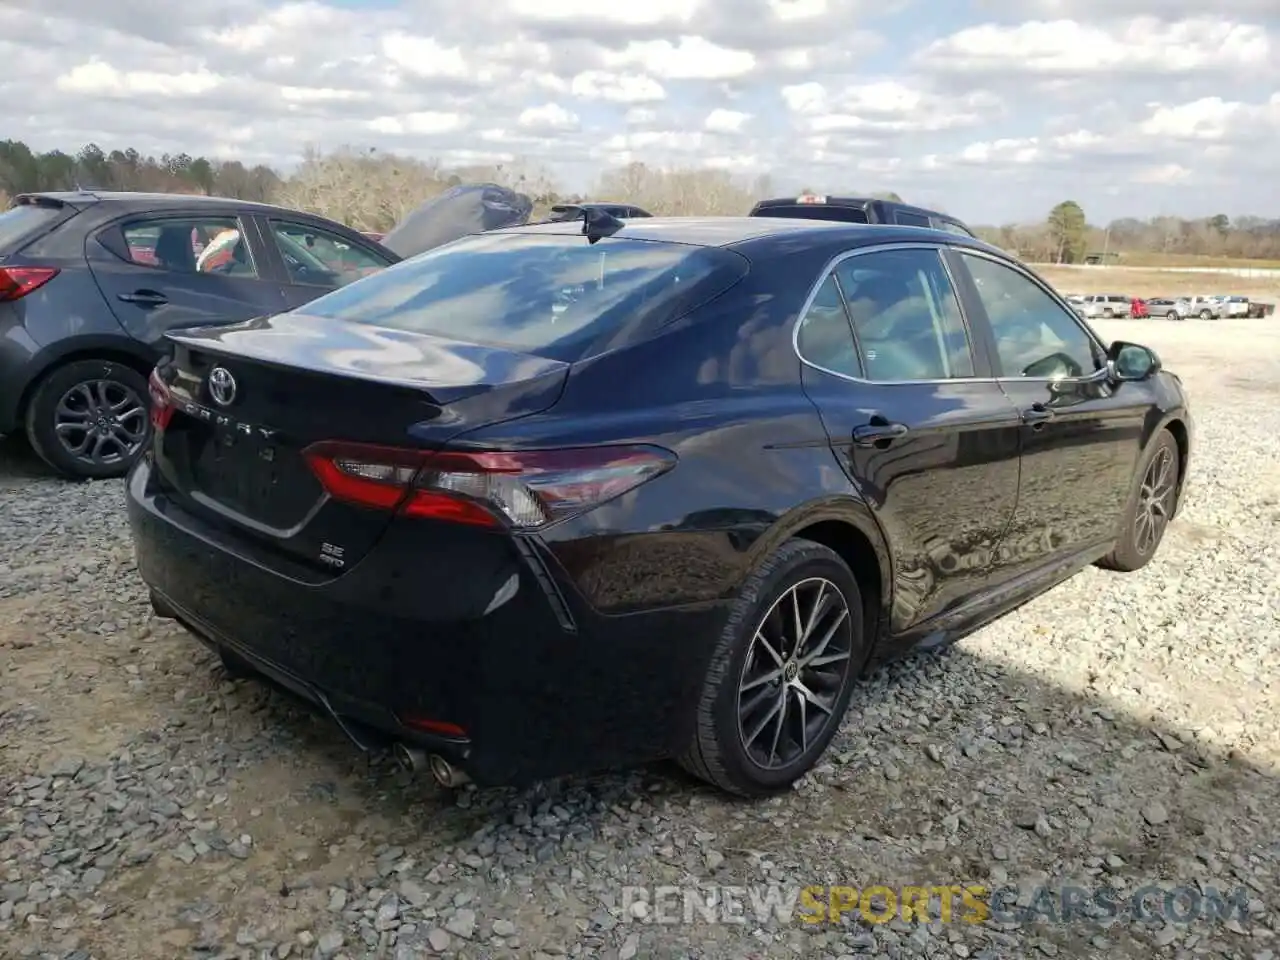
[(1081, 434), (161, 272), (915, 420)]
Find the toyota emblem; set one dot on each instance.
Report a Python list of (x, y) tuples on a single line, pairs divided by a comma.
[(222, 386)]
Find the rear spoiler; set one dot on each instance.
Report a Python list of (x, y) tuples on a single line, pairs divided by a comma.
[(52, 202)]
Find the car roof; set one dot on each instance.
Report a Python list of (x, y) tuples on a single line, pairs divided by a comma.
[(150, 201), (728, 231)]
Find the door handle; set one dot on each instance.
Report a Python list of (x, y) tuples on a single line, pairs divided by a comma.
[(878, 434), (145, 298), (1037, 415)]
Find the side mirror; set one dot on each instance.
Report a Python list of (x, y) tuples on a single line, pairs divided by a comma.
[(1132, 361)]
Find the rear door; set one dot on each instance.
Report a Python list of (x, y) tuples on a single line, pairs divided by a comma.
[(1081, 435), (315, 261), (160, 272), (915, 420)]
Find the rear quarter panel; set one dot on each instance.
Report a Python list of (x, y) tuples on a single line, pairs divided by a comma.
[(722, 391)]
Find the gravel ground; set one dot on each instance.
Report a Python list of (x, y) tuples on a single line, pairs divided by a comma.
[(1120, 730)]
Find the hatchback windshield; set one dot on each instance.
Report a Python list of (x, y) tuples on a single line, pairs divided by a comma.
[(554, 295)]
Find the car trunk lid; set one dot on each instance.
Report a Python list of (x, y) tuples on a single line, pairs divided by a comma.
[(245, 401)]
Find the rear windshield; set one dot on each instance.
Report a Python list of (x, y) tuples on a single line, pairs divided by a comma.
[(814, 211), (20, 222), (556, 296)]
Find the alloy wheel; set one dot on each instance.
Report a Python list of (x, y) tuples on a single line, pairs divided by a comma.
[(796, 666), (1155, 502), (101, 422)]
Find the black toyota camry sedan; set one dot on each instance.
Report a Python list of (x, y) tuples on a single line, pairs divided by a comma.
[(591, 493)]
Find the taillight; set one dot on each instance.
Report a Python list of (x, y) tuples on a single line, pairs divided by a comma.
[(17, 282), (524, 490), (161, 401)]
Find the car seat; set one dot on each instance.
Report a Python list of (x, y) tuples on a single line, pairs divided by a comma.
[(173, 249)]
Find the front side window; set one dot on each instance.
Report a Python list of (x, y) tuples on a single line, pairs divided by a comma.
[(906, 316), (1034, 336), (319, 258), (554, 295), (213, 245)]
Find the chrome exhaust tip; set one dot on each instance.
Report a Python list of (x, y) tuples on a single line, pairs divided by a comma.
[(446, 774), (409, 758)]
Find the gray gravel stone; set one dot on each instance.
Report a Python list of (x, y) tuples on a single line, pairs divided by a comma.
[(1118, 730)]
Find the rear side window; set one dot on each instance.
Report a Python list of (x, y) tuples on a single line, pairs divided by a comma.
[(824, 336), (906, 316), (814, 211), (190, 245), (556, 296), (19, 223)]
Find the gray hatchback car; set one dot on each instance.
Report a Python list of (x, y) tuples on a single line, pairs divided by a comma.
[(90, 282)]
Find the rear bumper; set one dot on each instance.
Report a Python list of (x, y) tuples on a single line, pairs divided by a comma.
[(534, 697)]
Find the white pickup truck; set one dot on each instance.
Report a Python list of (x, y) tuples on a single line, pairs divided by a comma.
[(1233, 306)]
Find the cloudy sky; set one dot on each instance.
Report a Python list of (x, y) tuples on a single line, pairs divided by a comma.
[(991, 109)]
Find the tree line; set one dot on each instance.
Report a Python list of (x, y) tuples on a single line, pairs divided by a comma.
[(371, 190)]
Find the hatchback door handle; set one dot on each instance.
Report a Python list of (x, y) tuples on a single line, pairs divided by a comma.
[(145, 298), (1037, 415), (873, 434)]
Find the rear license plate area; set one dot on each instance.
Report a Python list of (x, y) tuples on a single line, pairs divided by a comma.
[(254, 477)]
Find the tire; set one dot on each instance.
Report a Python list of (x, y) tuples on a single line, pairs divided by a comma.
[(717, 753), (1109, 313), (1206, 315), (235, 668), (1172, 315), (73, 394), (1131, 552)]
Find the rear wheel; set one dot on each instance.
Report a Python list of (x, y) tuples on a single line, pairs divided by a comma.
[(1150, 508), (781, 675), (1206, 315), (89, 420), (1171, 315)]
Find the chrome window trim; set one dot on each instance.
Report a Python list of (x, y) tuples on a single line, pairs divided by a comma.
[(1061, 303), (840, 258)]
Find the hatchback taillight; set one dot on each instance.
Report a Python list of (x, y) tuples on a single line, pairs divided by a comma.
[(17, 282), (161, 401), (524, 490)]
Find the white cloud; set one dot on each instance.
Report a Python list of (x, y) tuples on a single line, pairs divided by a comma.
[(1072, 48), (725, 121), (885, 106), (549, 117), (95, 78), (690, 58), (617, 87), (1122, 101)]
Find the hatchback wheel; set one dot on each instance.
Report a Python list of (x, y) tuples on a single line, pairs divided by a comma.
[(89, 419), (1151, 506), (782, 673)]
